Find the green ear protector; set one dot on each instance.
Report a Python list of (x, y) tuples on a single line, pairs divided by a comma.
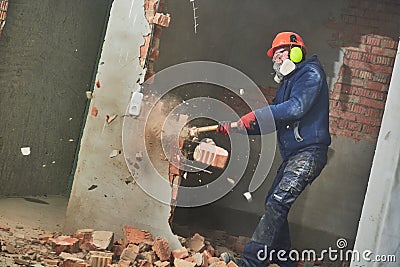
[(295, 53)]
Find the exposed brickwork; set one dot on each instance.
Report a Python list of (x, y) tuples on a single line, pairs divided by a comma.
[(368, 30), (149, 50), (3, 14)]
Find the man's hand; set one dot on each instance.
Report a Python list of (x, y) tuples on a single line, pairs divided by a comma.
[(247, 122), (224, 127)]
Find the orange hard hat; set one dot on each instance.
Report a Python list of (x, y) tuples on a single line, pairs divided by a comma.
[(285, 39)]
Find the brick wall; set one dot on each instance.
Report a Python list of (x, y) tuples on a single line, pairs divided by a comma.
[(368, 31)]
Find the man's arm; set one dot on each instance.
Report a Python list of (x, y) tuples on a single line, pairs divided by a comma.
[(302, 98)]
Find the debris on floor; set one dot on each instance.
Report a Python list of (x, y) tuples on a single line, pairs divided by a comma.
[(24, 246)]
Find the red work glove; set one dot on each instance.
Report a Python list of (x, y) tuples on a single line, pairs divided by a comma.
[(224, 128), (248, 121)]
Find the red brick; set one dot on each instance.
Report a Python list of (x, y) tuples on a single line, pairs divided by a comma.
[(71, 263), (162, 264), (161, 248), (376, 86), (231, 264), (205, 258), (383, 51), (368, 129), (372, 94), (198, 259), (65, 244), (180, 253), (161, 19), (343, 114), (94, 112), (118, 247), (196, 243), (362, 74), (183, 263), (372, 103), (136, 236), (381, 77), (368, 58), (85, 239), (356, 64), (218, 264), (373, 113), (4, 228), (100, 258), (387, 61), (144, 263), (381, 69), (368, 120), (213, 260), (130, 253), (347, 98), (389, 43), (372, 40)]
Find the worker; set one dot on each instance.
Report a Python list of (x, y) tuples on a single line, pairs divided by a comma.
[(300, 111)]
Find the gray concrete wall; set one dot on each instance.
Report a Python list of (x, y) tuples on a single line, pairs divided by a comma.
[(238, 33), (48, 53), (113, 203)]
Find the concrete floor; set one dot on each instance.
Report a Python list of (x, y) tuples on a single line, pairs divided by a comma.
[(47, 213)]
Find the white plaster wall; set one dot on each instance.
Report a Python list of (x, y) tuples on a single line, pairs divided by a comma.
[(379, 228), (114, 203)]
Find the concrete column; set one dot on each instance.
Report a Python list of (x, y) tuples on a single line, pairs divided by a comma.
[(379, 227)]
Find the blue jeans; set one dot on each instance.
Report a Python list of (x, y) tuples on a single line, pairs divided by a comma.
[(272, 232)]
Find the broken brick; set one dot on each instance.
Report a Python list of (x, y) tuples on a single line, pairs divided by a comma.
[(231, 264), (196, 243), (162, 264), (218, 264), (198, 259), (100, 259), (180, 253), (85, 237), (210, 154), (213, 260), (118, 247), (204, 259), (65, 244), (94, 112), (43, 239), (211, 250), (161, 248), (103, 239), (144, 263), (136, 236), (4, 228), (72, 263), (130, 253), (183, 263), (144, 50), (161, 19), (150, 256), (124, 263)]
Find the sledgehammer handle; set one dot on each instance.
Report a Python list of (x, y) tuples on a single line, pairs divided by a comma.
[(213, 128)]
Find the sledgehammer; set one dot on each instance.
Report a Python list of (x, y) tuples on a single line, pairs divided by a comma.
[(194, 131)]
